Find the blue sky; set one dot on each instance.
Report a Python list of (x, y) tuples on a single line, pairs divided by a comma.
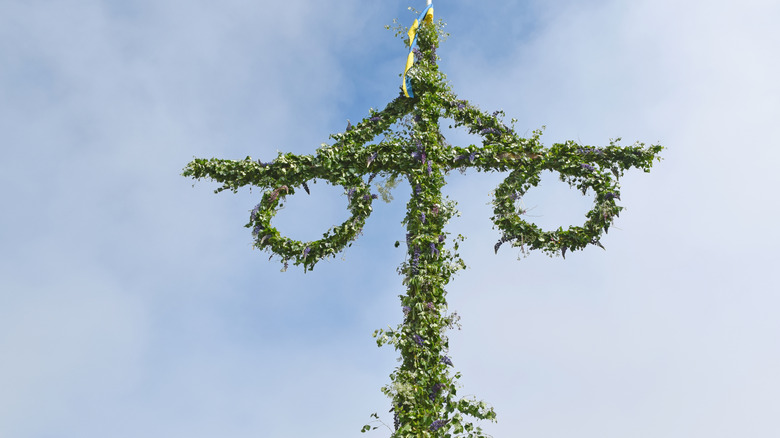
[(132, 304)]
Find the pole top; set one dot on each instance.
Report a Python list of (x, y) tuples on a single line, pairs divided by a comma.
[(429, 2)]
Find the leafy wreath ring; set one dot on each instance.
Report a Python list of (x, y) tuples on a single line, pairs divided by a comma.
[(584, 176), (332, 241)]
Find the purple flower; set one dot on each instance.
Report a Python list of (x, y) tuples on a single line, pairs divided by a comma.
[(433, 53), (469, 156), (446, 360), (417, 189), (611, 195), (406, 309), (434, 251), (461, 105), (490, 131), (584, 151), (375, 118), (514, 196), (441, 238), (306, 187), (499, 243), (430, 170), (417, 53), (422, 217), (373, 175), (306, 252), (438, 424), (350, 193), (254, 212), (435, 389), (415, 260), (349, 125), (419, 154), (419, 340), (372, 158), (257, 229), (430, 306), (588, 167)]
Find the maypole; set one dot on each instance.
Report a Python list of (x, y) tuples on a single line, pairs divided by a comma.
[(423, 388)]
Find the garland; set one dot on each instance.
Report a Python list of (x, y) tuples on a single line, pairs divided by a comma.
[(349, 160), (422, 389)]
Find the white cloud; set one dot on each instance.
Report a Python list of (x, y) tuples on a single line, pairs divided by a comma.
[(132, 305)]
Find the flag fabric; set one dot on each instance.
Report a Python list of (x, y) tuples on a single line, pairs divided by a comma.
[(426, 15)]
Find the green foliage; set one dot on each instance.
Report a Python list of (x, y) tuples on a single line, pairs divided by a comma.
[(424, 395)]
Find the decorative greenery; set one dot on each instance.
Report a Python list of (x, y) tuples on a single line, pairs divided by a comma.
[(425, 401)]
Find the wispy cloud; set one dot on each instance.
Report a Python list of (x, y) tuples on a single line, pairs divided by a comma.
[(132, 305)]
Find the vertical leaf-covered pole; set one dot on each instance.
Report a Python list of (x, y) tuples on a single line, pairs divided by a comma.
[(423, 391)]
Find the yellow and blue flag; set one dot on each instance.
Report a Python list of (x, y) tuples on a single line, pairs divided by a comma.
[(426, 15)]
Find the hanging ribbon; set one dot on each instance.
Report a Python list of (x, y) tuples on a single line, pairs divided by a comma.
[(426, 15)]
